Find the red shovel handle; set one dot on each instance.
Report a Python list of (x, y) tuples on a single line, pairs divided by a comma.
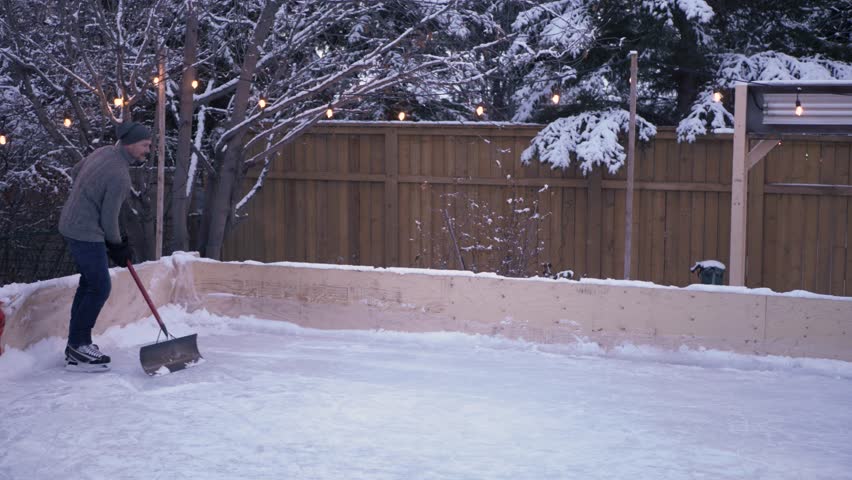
[(147, 298)]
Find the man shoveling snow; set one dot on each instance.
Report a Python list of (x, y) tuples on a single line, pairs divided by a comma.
[(89, 224)]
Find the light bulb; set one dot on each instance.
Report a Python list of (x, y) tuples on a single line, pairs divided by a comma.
[(717, 97), (67, 122), (156, 80), (401, 116), (799, 109), (555, 98), (2, 139), (262, 103), (118, 101), (480, 111), (329, 113), (194, 84)]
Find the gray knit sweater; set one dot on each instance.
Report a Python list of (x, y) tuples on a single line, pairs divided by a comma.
[(101, 183)]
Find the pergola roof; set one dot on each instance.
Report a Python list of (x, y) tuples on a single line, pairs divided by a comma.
[(827, 107)]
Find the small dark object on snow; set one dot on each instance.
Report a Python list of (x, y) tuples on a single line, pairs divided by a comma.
[(711, 272)]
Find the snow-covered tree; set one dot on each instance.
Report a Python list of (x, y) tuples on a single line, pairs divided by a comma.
[(299, 56), (303, 57), (436, 59)]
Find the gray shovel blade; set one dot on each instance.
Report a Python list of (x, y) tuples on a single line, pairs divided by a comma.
[(170, 356)]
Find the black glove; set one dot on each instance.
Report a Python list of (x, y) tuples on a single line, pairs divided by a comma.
[(120, 253)]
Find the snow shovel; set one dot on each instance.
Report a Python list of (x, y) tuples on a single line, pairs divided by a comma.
[(169, 355)]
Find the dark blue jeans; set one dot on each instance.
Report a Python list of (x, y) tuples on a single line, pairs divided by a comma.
[(93, 291)]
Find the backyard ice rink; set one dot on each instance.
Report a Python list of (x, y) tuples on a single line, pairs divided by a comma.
[(273, 400)]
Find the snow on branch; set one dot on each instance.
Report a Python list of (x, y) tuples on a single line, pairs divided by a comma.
[(760, 67), (564, 25), (770, 65), (538, 85), (589, 138), (698, 10), (704, 111)]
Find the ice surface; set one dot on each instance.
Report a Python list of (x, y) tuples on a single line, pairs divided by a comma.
[(273, 400)]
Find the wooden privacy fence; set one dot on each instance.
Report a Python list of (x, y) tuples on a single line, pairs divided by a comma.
[(372, 194)]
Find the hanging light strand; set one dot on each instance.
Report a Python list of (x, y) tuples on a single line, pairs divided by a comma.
[(799, 109)]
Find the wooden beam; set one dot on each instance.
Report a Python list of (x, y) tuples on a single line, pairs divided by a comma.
[(524, 182), (759, 151), (668, 186), (631, 167), (739, 189), (322, 176), (809, 189)]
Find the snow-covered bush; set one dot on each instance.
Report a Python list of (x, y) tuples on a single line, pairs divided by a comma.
[(481, 237)]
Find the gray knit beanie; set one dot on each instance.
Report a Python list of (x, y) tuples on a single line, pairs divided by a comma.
[(132, 132)]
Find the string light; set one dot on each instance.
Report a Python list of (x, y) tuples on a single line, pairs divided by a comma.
[(118, 101), (2, 139), (480, 110), (401, 116), (261, 103), (799, 109), (717, 96), (329, 112), (194, 84), (156, 80), (555, 98), (67, 122)]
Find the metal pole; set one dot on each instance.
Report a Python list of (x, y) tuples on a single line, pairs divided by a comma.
[(161, 150), (631, 166)]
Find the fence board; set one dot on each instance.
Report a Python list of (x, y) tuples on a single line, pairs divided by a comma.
[(698, 223), (843, 165), (607, 252), (755, 223), (327, 199), (798, 247), (595, 234)]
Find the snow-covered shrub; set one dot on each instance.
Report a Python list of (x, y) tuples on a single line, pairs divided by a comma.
[(479, 236)]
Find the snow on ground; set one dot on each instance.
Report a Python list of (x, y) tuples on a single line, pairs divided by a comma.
[(273, 400)]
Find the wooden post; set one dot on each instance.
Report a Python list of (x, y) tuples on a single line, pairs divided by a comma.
[(631, 167), (739, 188), (161, 151)]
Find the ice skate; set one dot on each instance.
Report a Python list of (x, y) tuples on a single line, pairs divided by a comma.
[(86, 358)]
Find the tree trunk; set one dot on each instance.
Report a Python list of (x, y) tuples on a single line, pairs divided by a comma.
[(180, 198), (222, 194), (692, 65)]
